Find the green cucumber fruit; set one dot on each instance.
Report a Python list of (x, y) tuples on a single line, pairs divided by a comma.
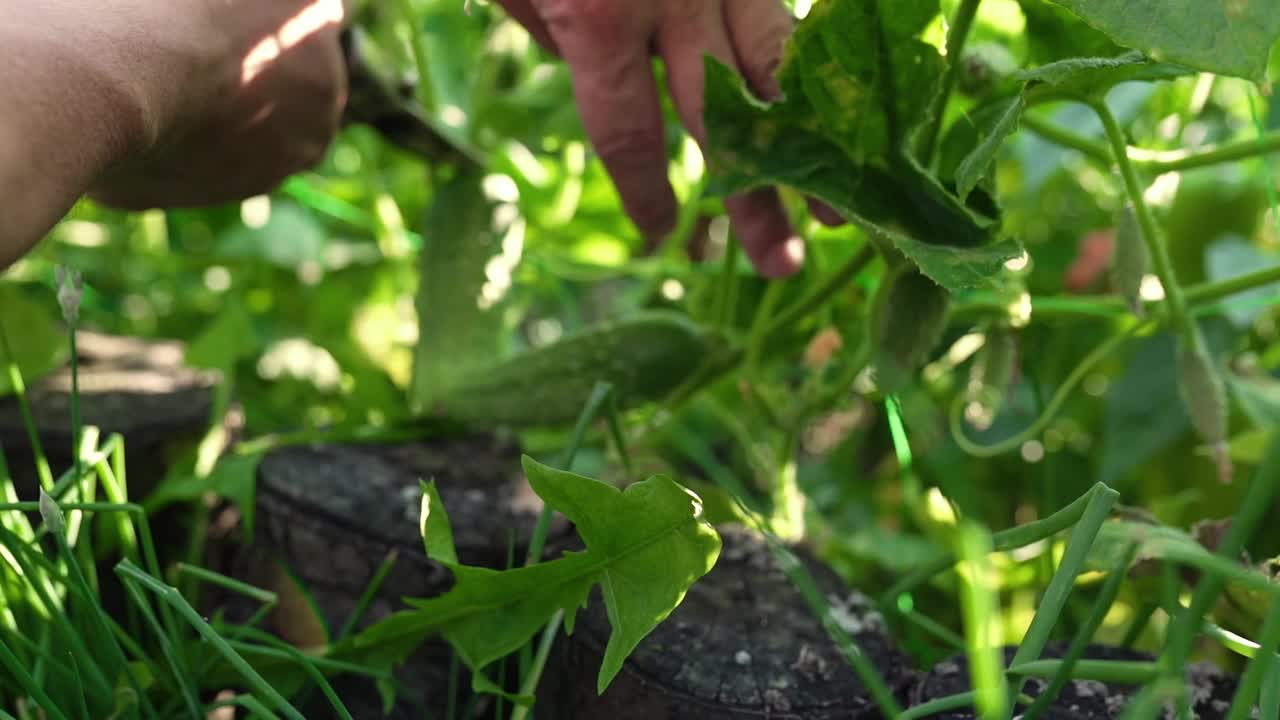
[(1129, 261), (991, 375), (1205, 399), (643, 357), (908, 317)]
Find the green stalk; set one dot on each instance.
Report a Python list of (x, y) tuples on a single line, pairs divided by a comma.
[(980, 607), (956, 39), (1060, 396), (1107, 596), (1174, 301), (1260, 667), (1252, 509), (530, 684), (284, 651), (76, 428), (722, 310), (170, 596), (1123, 672), (1002, 541), (939, 706), (803, 581), (421, 57), (10, 662), (1155, 162), (599, 395), (367, 597), (717, 365), (1055, 596), (54, 520), (24, 407), (1102, 307), (180, 672)]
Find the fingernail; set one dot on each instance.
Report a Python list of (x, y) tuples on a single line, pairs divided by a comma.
[(784, 259)]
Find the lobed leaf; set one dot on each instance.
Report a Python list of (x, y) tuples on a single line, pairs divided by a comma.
[(644, 547)]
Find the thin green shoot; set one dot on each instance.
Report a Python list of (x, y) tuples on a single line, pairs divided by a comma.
[(1253, 508), (1260, 667), (1121, 672), (980, 608), (1079, 643), (1073, 561), (24, 407), (170, 596)]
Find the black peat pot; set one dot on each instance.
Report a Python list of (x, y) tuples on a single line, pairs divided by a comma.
[(742, 644)]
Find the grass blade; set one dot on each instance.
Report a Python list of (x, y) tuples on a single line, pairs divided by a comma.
[(170, 596)]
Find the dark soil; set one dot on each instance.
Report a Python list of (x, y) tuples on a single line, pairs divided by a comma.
[(1210, 689)]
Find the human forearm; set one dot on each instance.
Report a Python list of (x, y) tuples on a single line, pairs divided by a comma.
[(159, 103), (65, 120)]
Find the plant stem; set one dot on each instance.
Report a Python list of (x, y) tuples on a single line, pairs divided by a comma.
[(729, 359), (956, 39), (1209, 292), (76, 428), (1102, 307), (1013, 442), (1156, 161), (1163, 265), (815, 299), (1092, 149), (1254, 507), (425, 93)]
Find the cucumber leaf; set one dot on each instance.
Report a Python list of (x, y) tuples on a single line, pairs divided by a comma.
[(644, 547), (1228, 38), (1078, 76), (974, 165), (856, 81)]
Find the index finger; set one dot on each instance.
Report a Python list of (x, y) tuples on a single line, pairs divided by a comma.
[(606, 48)]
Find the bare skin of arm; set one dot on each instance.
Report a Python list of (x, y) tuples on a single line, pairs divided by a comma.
[(181, 103), (159, 103)]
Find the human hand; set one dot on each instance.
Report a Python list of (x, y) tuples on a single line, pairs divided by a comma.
[(236, 95), (608, 45)]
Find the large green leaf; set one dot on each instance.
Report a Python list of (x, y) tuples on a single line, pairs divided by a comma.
[(36, 337), (645, 547), (997, 120), (857, 81), (1230, 37), (974, 165), (1055, 33)]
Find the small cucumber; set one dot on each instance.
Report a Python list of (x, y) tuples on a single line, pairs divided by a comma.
[(643, 357), (1129, 262), (908, 317), (1205, 400), (990, 376)]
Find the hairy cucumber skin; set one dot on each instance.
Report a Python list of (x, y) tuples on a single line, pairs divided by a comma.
[(643, 357), (908, 317)]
